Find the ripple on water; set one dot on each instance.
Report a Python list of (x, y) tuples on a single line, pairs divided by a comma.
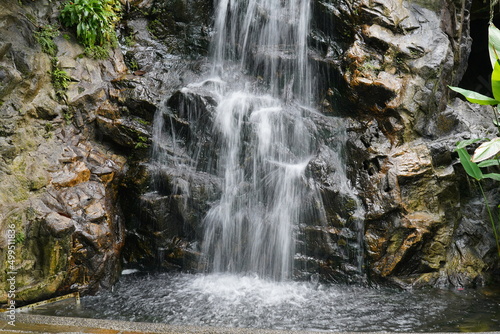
[(249, 301)]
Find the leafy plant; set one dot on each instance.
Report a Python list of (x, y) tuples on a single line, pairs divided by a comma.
[(68, 116), (133, 65), (94, 20), (45, 37), (474, 171), (487, 154), (49, 127), (129, 40), (60, 81)]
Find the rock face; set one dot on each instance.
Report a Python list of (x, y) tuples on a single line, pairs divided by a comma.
[(58, 189), (69, 160), (395, 61)]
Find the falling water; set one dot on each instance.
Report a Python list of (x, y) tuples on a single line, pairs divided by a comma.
[(269, 39), (265, 144)]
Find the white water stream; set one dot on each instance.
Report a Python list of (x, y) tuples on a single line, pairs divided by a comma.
[(265, 144)]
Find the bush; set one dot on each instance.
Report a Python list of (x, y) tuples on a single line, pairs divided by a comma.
[(94, 20)]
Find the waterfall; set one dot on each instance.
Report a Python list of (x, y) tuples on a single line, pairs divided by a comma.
[(247, 160), (268, 38), (248, 128), (265, 144)]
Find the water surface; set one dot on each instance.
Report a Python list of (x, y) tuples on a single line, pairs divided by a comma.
[(247, 301)]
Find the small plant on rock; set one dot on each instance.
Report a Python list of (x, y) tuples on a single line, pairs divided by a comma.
[(45, 37), (60, 81), (488, 153), (142, 142), (94, 21), (19, 238)]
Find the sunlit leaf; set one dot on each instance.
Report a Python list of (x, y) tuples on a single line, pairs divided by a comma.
[(487, 150), (495, 80), (488, 163), (474, 97), (493, 44), (494, 176), (465, 143), (470, 167)]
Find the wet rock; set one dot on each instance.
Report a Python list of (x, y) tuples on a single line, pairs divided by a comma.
[(124, 131), (394, 63), (71, 175), (383, 65), (192, 112), (184, 26), (164, 226)]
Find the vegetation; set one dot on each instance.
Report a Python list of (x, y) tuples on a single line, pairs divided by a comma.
[(487, 154), (68, 116), (97, 52), (142, 142), (19, 238), (94, 21), (129, 40), (45, 37), (60, 81)]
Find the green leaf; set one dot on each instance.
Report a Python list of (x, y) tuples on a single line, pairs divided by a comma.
[(494, 176), (465, 143), (488, 163), (493, 44), (495, 80), (474, 97), (487, 150), (470, 167)]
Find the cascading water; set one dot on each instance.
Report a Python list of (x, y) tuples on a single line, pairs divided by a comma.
[(250, 125), (265, 144), (268, 38)]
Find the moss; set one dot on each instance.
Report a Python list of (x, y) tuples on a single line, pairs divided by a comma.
[(68, 116), (49, 127), (43, 290), (30, 213), (396, 242), (143, 121), (19, 238), (97, 52), (129, 40), (132, 65), (141, 142)]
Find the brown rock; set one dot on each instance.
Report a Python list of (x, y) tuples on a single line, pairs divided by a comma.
[(70, 176)]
